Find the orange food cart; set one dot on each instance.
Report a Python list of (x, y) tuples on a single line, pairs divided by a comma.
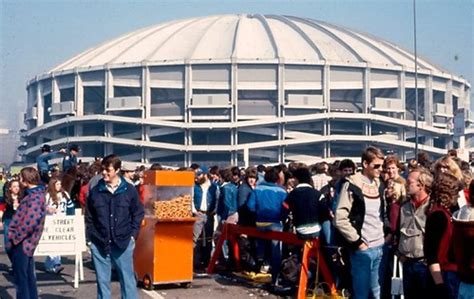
[(164, 248)]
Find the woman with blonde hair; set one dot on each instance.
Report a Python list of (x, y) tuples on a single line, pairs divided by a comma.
[(58, 202), (447, 164)]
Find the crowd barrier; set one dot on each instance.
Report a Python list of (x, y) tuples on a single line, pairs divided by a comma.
[(311, 248)]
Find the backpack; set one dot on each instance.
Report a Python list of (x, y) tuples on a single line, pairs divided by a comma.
[(247, 258), (290, 270)]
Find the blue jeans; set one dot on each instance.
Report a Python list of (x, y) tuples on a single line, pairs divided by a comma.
[(24, 273), (275, 249), (365, 272), (123, 263), (386, 270), (327, 232), (451, 279), (203, 231), (466, 291), (51, 261), (417, 280), (6, 224)]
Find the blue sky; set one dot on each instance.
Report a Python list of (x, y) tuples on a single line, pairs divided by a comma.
[(37, 35)]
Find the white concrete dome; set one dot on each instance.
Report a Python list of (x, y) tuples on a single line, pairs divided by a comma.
[(246, 37), (240, 89)]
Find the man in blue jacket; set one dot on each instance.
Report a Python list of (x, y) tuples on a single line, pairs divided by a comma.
[(42, 161), (113, 216), (266, 201), (204, 209), (70, 160)]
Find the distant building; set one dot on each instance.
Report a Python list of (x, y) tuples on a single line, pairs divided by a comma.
[(244, 89), (9, 142)]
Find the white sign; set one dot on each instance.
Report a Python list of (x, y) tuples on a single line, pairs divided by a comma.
[(64, 235)]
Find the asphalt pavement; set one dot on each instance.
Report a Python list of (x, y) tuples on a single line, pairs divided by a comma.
[(52, 286)]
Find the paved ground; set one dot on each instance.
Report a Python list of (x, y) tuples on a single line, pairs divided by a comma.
[(53, 286)]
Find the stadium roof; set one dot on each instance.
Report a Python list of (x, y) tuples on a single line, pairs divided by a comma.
[(247, 38)]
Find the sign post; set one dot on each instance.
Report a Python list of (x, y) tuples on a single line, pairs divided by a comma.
[(64, 235)]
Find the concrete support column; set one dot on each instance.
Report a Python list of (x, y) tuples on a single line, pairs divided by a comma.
[(327, 150), (188, 91), (146, 155), (402, 135), (188, 94), (109, 132), (109, 87), (40, 103), (78, 130), (326, 88), (450, 142), (465, 97), (428, 97), (234, 111), (146, 92), (366, 98), (281, 110), (368, 128), (109, 93), (429, 108), (234, 93), (188, 159), (326, 132), (79, 94), (246, 157), (234, 156), (55, 92), (448, 95), (401, 92), (146, 110), (281, 87)]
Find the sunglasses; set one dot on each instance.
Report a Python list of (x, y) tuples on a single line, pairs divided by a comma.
[(376, 166)]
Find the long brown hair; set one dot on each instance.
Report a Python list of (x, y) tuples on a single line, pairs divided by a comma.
[(9, 195), (52, 190)]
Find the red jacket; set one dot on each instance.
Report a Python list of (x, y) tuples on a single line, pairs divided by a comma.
[(438, 239)]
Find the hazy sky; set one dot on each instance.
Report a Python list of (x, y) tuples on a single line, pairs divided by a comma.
[(37, 35)]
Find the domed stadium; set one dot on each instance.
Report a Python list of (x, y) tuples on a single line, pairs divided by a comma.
[(244, 89)]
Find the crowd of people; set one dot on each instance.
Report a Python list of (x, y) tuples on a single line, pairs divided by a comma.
[(365, 215)]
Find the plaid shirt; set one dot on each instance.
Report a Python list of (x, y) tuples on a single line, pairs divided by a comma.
[(27, 224)]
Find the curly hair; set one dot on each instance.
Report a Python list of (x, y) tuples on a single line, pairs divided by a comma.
[(445, 190)]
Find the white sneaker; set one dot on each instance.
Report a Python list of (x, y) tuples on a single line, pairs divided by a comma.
[(265, 269)]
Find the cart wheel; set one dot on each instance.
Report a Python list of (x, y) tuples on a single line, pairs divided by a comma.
[(185, 285), (147, 284)]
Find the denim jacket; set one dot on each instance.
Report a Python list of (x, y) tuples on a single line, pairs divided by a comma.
[(42, 161), (212, 194)]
